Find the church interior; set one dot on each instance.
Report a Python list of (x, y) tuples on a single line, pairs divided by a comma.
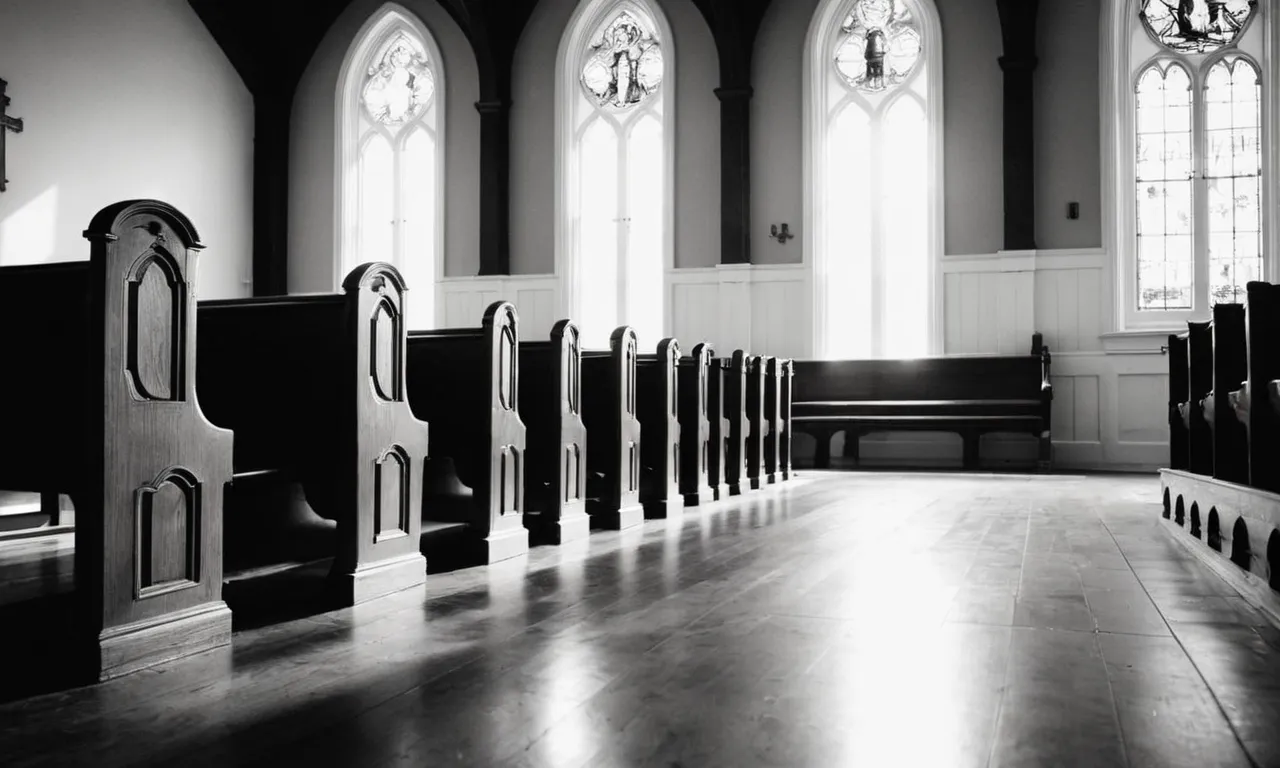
[(640, 383)]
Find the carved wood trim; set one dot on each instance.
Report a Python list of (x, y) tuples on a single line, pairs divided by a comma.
[(146, 583)]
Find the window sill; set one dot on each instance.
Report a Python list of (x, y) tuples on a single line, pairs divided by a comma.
[(1147, 341)]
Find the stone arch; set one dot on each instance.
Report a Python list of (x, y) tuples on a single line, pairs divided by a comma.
[(1273, 560), (1241, 552), (1167, 504), (1213, 536), (1180, 512), (1195, 519)]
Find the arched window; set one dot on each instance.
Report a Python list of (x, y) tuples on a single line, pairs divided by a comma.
[(390, 156), (614, 235), (873, 160), (1188, 173)]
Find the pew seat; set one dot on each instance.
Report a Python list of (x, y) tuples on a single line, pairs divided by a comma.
[(969, 396)]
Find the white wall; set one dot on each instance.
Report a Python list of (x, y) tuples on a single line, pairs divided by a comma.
[(122, 100), (312, 250), (533, 137)]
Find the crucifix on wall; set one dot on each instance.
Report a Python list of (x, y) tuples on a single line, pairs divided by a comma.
[(6, 124)]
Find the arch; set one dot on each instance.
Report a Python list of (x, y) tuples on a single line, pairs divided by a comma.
[(820, 106), (1195, 519), (1213, 536), (1179, 511), (1241, 550), (1167, 504), (412, 191), (1273, 560), (574, 115)]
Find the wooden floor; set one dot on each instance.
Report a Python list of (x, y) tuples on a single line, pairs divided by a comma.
[(851, 620)]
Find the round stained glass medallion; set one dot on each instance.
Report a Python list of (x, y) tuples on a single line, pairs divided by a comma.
[(880, 45), (1196, 26), (624, 65), (400, 84)]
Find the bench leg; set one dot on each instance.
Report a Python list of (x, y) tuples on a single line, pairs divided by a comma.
[(972, 459), (1045, 461)]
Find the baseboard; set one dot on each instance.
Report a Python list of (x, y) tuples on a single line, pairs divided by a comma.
[(173, 636)]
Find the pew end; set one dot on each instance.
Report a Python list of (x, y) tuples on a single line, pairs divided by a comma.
[(613, 452)]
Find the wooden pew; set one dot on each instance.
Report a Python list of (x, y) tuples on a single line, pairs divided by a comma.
[(757, 423), (555, 485), (1262, 323), (1179, 450), (773, 417), (784, 457), (718, 435), (695, 426), (1230, 442), (465, 382), (99, 402), (1200, 379), (658, 401), (314, 387), (970, 396), (613, 452), (735, 411)]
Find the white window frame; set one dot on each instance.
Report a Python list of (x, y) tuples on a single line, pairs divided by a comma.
[(387, 21), (818, 109), (588, 18), (1119, 74)]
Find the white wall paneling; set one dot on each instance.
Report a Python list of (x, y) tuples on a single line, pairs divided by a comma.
[(755, 307), (461, 301)]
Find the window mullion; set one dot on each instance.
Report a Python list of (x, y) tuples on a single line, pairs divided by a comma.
[(1200, 202)]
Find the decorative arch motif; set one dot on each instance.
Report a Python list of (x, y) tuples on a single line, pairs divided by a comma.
[(873, 177), (390, 156), (167, 526), (615, 167), (157, 323)]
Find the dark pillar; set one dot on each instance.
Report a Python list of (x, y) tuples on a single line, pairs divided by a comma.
[(735, 174), (495, 187), (1018, 27), (271, 194)]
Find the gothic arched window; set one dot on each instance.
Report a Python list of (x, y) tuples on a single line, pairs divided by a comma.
[(390, 151), (1189, 176), (875, 154), (615, 104)]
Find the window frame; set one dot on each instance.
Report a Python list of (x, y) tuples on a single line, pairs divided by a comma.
[(380, 27)]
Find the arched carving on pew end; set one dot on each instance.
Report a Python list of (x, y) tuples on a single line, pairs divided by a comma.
[(1241, 550), (624, 339), (156, 326), (167, 533), (1196, 528), (511, 481), (1273, 560), (391, 497), (106, 223), (1168, 505), (566, 336), (1179, 511), (1213, 535), (387, 324), (501, 319)]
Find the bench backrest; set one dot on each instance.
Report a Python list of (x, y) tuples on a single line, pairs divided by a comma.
[(986, 377)]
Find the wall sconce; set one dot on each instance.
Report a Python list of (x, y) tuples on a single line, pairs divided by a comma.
[(781, 235)]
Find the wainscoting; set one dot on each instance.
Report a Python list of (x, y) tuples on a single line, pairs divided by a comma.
[(461, 301)]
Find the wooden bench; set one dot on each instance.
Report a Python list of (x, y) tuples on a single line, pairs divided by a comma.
[(1229, 440), (971, 396), (613, 450), (1259, 403), (99, 402), (314, 387), (757, 423), (788, 383), (555, 495), (465, 383), (718, 423), (657, 399), (735, 412), (1200, 382), (696, 445), (773, 436)]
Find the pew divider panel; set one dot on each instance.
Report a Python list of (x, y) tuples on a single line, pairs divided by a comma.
[(695, 426), (773, 420), (613, 452), (1179, 449), (1200, 377), (718, 436), (1230, 368), (658, 385), (1262, 325), (784, 458), (551, 408), (735, 410), (757, 425)]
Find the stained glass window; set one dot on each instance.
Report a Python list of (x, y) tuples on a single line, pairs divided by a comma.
[(1196, 26), (1165, 169), (1233, 169), (624, 65), (879, 45), (400, 84)]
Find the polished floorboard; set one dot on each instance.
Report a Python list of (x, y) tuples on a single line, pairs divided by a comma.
[(847, 620)]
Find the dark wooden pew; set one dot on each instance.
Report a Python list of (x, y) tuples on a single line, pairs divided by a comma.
[(98, 401), (465, 383), (757, 423), (1179, 450), (555, 485), (971, 396), (1262, 323), (735, 411), (695, 426), (658, 401), (1200, 379), (314, 387), (1230, 442), (773, 417), (718, 428), (613, 451), (784, 456)]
